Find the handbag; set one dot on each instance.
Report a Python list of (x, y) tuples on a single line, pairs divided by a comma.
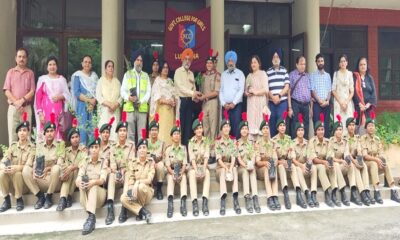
[(64, 121)]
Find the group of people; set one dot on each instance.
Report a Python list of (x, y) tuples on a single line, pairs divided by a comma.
[(123, 154)]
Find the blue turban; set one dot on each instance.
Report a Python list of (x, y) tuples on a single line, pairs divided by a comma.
[(136, 54), (279, 52), (230, 55)]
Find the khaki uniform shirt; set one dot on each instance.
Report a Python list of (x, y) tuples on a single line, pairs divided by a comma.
[(284, 147), (121, 155), (175, 155), (301, 150), (77, 157), (156, 149), (265, 149), (211, 82), (105, 153), (246, 150), (372, 146), (318, 149), (338, 149), (199, 150), (354, 145), (92, 170), (225, 149), (140, 171), (19, 155), (53, 153)]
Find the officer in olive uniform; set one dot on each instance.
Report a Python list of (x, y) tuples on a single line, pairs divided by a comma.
[(304, 166), (138, 190), (267, 163), (317, 150), (199, 153), (372, 150), (12, 164), (43, 172), (226, 153), (360, 168), (246, 159), (285, 153), (176, 160), (75, 155), (156, 149), (90, 181)]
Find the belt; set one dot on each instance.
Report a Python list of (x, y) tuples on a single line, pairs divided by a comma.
[(301, 103), (186, 98)]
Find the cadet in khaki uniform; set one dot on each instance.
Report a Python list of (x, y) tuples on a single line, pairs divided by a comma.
[(138, 190), (360, 168), (316, 150), (225, 153), (91, 178), (49, 154), (199, 153), (246, 159), (156, 149), (304, 166), (267, 163), (75, 155), (372, 150), (12, 164), (176, 161), (285, 153), (338, 150)]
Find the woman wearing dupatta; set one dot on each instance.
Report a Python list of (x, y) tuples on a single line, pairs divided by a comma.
[(52, 96), (165, 102), (83, 88)]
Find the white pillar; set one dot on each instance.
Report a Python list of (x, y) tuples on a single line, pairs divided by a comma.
[(112, 34), (217, 30)]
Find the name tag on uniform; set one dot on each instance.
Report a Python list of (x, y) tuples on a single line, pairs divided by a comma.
[(237, 79)]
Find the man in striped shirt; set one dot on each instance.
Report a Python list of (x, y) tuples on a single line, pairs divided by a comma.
[(278, 83)]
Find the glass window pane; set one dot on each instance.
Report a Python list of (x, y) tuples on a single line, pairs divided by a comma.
[(325, 37), (149, 45), (145, 16), (350, 39), (186, 6), (239, 18), (77, 48), (83, 14), (41, 13), (273, 19), (40, 48)]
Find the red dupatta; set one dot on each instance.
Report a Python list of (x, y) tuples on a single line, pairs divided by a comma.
[(360, 95)]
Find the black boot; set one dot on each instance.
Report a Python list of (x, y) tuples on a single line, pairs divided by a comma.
[(6, 204), (314, 198), (170, 210), (195, 208), (276, 202), (62, 204), (49, 201), (394, 195), (371, 199), (20, 204), (205, 207), (334, 199), (236, 205), (309, 199), (123, 215), (110, 212), (364, 198), (146, 214), (299, 199), (248, 203), (257, 207), (286, 198), (183, 206), (89, 225), (159, 193), (40, 202), (69, 201), (223, 203), (377, 196), (271, 204), (353, 196), (328, 198)]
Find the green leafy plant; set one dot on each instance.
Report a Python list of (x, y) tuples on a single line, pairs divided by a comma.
[(388, 127)]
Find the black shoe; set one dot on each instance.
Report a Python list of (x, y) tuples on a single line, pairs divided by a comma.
[(271, 203), (205, 207), (314, 198), (212, 160), (328, 198), (364, 198), (123, 215), (89, 225), (49, 201), (309, 199), (69, 201), (6, 204), (236, 205), (248, 203), (159, 193), (299, 199), (257, 207), (62, 204), (371, 199), (286, 198), (334, 199), (276, 202), (394, 195), (20, 204), (195, 206), (354, 198), (110, 212), (40, 202), (170, 210), (145, 214), (183, 206), (223, 203), (377, 196)]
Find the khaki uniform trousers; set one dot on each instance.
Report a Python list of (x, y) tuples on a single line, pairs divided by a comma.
[(193, 183), (112, 186), (68, 187), (312, 175), (50, 184), (13, 119), (323, 173), (211, 115), (362, 178), (249, 178), (341, 171), (12, 183), (282, 171), (221, 177), (144, 196), (171, 185), (374, 172), (134, 119), (271, 186), (160, 171), (93, 198)]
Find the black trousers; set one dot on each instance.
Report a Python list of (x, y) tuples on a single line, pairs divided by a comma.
[(303, 108), (186, 118)]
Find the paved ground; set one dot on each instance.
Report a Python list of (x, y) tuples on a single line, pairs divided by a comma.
[(373, 223)]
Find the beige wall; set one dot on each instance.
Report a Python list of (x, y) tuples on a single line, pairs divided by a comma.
[(217, 30)]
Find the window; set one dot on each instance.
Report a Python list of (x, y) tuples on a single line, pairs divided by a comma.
[(239, 18), (41, 14), (83, 14), (77, 48), (273, 19), (145, 16), (186, 6)]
